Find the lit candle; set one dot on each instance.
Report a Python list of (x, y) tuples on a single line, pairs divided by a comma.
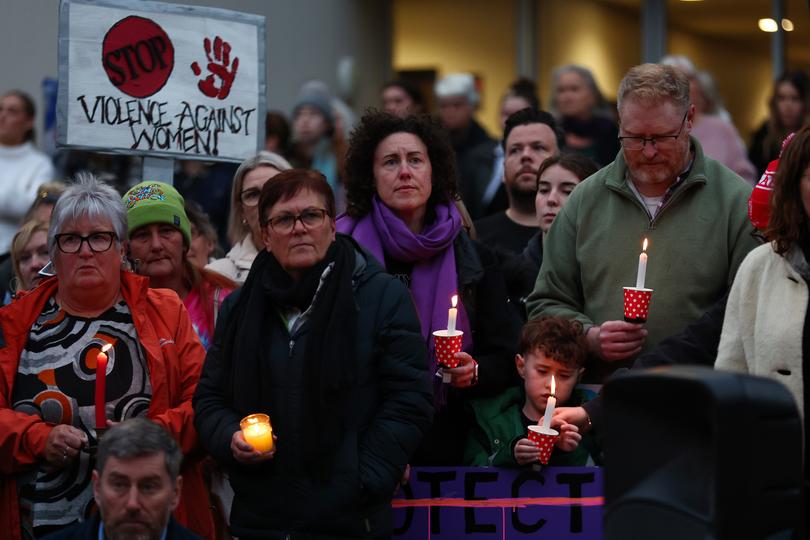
[(257, 432), (642, 266), (101, 387), (551, 403), (452, 313)]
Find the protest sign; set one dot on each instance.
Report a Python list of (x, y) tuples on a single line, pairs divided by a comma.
[(558, 503), (161, 80)]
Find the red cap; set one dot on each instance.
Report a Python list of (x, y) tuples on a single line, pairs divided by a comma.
[(759, 204)]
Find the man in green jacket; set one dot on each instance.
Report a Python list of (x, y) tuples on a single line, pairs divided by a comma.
[(661, 187)]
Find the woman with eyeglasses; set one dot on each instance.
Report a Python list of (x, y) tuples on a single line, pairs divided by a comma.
[(328, 345), (401, 207), (52, 337), (244, 231), (159, 243)]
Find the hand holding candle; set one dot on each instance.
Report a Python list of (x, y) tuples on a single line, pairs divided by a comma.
[(551, 404), (101, 387), (258, 432), (641, 275)]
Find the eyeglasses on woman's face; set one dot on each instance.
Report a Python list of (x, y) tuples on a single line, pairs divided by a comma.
[(250, 196), (310, 218), (97, 241)]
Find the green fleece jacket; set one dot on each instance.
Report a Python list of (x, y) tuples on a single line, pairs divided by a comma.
[(697, 241), (499, 426)]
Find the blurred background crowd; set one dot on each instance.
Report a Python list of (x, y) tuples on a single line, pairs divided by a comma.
[(563, 56)]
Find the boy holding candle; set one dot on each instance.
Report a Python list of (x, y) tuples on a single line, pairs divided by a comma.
[(549, 347)]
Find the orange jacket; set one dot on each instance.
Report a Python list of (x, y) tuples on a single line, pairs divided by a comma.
[(174, 358)]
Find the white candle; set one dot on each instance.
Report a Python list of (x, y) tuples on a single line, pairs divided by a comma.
[(452, 313), (551, 403), (642, 266)]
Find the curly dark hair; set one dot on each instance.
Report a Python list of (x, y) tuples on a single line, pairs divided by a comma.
[(788, 220), (372, 129), (559, 339)]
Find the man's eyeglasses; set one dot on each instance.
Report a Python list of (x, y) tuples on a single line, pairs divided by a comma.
[(285, 223), (638, 143), (97, 241), (250, 196)]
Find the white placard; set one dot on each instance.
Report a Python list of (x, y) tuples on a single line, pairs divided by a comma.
[(161, 80)]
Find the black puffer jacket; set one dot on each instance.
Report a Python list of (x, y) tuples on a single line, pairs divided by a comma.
[(388, 412)]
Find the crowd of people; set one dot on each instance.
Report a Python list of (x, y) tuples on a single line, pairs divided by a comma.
[(142, 325)]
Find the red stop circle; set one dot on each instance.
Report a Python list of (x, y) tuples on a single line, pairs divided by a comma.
[(137, 56)]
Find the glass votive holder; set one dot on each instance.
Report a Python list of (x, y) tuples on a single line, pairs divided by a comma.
[(258, 432)]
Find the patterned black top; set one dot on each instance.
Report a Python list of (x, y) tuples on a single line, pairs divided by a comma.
[(56, 381)]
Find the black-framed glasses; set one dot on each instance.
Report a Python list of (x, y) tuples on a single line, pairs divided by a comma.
[(250, 196), (97, 241), (638, 143), (309, 218)]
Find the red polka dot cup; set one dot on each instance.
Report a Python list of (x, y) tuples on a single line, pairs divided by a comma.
[(636, 304), (448, 343), (545, 439)]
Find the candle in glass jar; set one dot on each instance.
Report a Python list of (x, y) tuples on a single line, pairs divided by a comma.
[(642, 266), (452, 314), (258, 432), (101, 387)]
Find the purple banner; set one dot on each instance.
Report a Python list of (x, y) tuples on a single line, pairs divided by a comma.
[(489, 503)]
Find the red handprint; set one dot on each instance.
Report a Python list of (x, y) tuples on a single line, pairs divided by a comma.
[(218, 67)]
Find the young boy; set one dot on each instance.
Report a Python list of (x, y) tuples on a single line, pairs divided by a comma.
[(548, 346)]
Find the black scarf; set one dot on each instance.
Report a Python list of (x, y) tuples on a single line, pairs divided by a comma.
[(329, 359)]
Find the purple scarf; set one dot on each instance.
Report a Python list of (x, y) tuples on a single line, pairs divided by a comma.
[(434, 279)]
